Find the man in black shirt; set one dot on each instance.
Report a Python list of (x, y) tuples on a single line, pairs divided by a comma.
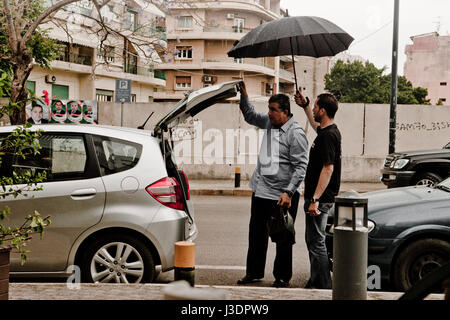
[(322, 182)]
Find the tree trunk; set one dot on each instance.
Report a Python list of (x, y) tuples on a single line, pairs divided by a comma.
[(22, 64)]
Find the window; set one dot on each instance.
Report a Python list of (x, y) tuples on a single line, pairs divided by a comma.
[(133, 97), (31, 85), (116, 155), (443, 83), (131, 19), (61, 92), (106, 51), (104, 95), (238, 60), (183, 82), (238, 25), (184, 53), (185, 22), (61, 157)]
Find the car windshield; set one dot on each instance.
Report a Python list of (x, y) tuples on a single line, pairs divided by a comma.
[(444, 185)]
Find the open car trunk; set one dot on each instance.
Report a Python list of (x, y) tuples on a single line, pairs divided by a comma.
[(189, 106)]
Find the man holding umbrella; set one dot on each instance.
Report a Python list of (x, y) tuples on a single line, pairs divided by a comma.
[(275, 182), (322, 182)]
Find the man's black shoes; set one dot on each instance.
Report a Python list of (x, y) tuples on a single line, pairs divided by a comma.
[(278, 283), (247, 280)]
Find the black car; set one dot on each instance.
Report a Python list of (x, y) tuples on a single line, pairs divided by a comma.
[(409, 232), (410, 168)]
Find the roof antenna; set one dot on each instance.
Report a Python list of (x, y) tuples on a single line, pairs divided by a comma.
[(142, 127)]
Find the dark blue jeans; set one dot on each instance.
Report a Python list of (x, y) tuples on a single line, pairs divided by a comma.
[(320, 277)]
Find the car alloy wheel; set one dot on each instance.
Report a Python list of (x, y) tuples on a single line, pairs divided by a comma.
[(118, 258), (428, 179), (117, 262)]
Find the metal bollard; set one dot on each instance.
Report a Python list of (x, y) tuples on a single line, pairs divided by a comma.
[(184, 262), (350, 238), (237, 177)]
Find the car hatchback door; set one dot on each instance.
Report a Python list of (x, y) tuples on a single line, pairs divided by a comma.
[(73, 195)]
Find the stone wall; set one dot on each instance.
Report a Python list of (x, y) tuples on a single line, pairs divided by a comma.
[(217, 146)]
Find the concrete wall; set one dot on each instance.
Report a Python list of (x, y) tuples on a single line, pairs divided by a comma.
[(364, 128)]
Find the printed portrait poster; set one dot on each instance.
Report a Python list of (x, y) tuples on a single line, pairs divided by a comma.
[(58, 111), (74, 111), (37, 113)]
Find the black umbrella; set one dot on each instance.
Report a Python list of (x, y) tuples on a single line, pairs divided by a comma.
[(304, 36)]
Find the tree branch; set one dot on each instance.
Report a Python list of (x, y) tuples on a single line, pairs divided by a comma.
[(43, 16)]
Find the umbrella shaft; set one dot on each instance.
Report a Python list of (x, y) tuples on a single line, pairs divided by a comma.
[(293, 65)]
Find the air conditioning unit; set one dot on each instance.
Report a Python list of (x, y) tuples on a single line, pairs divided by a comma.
[(230, 15), (50, 79), (207, 79)]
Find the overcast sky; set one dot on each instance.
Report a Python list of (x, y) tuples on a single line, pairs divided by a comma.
[(370, 22)]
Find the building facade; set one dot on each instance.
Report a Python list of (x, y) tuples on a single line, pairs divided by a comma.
[(199, 35), (85, 71), (428, 65)]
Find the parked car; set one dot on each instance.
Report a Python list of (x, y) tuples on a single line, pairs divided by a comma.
[(409, 232), (410, 168), (117, 200)]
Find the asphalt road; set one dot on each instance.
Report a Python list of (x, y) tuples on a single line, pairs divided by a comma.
[(221, 246)]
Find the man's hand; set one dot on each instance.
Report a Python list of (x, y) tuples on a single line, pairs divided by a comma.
[(300, 100), (243, 90), (284, 201), (313, 209)]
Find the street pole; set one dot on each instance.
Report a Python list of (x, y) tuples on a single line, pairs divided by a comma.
[(121, 111), (393, 110)]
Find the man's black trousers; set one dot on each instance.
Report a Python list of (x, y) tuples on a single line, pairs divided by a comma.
[(258, 238)]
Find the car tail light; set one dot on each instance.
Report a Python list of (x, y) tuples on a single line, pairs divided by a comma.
[(168, 192)]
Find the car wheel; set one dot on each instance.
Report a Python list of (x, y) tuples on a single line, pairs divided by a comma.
[(427, 179), (117, 259), (418, 259)]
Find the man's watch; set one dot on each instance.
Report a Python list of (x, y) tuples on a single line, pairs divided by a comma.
[(314, 200), (289, 193)]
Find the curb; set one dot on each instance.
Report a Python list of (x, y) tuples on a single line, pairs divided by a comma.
[(221, 192), (238, 192)]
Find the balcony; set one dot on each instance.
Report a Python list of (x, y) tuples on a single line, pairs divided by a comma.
[(76, 58), (138, 70), (251, 61), (147, 31), (286, 76)]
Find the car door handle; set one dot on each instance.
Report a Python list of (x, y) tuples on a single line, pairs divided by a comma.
[(83, 194)]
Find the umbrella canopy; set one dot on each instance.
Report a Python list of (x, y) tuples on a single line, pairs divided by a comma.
[(310, 36), (303, 35)]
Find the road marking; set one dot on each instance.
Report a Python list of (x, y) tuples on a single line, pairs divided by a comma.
[(220, 267)]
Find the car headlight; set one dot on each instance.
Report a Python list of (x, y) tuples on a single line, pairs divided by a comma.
[(399, 163), (370, 225)]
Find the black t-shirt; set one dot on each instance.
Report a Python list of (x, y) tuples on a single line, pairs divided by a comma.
[(325, 150)]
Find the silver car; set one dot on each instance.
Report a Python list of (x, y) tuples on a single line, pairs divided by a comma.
[(117, 200)]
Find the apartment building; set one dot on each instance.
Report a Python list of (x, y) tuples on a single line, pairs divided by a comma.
[(83, 71), (428, 65), (199, 35)]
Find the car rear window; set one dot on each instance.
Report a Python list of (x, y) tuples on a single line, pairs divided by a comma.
[(116, 155)]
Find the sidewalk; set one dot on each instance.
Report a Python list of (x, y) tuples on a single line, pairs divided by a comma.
[(226, 187), (60, 291)]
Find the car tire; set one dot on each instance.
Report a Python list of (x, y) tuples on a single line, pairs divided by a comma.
[(427, 179), (117, 259), (417, 260)]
